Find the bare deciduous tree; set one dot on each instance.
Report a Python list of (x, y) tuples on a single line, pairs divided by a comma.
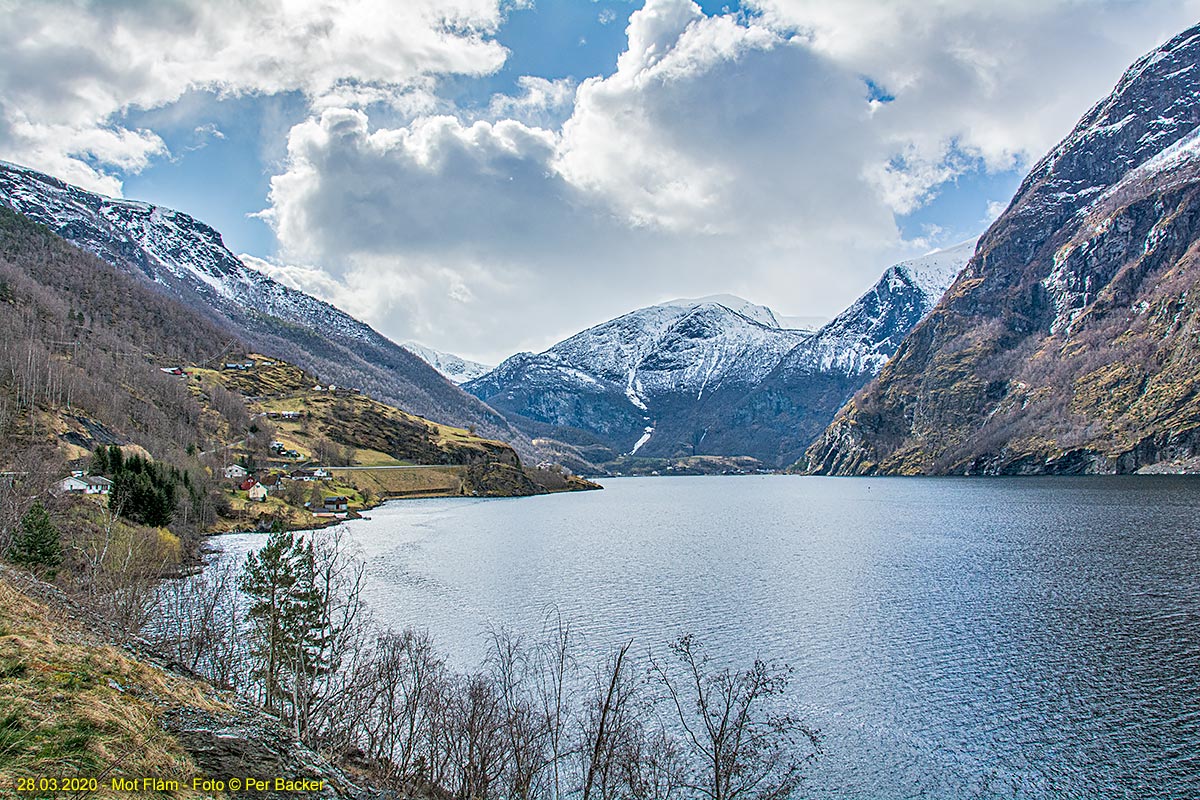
[(740, 746)]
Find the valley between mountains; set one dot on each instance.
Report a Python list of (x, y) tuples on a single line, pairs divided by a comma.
[(1062, 341)]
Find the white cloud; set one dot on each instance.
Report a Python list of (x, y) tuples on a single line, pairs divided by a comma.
[(689, 170), (540, 102), (69, 68), (999, 81)]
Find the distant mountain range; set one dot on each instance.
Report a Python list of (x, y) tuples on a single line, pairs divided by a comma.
[(188, 260), (1071, 341), (714, 375), (711, 376)]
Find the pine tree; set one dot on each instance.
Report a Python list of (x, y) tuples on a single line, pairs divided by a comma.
[(37, 545), (99, 465), (267, 579), (116, 458), (290, 632)]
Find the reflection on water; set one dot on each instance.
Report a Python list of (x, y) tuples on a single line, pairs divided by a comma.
[(953, 638)]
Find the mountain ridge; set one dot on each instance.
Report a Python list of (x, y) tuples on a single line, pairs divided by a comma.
[(188, 259), (685, 377), (1067, 344)]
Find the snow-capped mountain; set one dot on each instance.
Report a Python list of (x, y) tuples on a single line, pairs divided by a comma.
[(458, 369), (863, 337), (791, 405), (616, 380), (687, 377), (187, 258), (1070, 342)]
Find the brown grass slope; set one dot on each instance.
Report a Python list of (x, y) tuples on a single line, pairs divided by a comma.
[(75, 705)]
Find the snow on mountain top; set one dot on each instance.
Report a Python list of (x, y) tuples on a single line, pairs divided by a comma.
[(933, 272), (760, 314), (455, 368), (809, 324)]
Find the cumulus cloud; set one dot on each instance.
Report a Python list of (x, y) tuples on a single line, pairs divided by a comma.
[(1001, 82), (691, 162), (71, 68), (767, 153), (539, 102)]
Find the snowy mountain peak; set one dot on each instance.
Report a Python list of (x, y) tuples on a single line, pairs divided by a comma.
[(456, 368), (933, 272), (760, 314), (713, 375)]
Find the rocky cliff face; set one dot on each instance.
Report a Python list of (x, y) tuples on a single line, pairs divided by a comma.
[(712, 376), (1069, 342), (188, 260)]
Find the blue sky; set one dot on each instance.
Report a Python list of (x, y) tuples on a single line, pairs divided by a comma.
[(492, 175)]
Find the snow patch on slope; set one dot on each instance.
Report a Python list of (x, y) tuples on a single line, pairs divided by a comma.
[(933, 272)]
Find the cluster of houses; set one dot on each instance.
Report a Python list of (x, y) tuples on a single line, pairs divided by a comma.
[(259, 489), (239, 473), (240, 366), (333, 388), (79, 482)]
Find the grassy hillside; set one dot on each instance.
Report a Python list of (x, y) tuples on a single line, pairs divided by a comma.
[(387, 452), (85, 359), (77, 705)]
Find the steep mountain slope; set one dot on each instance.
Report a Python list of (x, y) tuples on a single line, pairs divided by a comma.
[(1069, 343), (86, 358), (188, 258), (711, 376), (456, 369), (799, 397)]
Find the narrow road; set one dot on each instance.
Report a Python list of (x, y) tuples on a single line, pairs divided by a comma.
[(393, 466)]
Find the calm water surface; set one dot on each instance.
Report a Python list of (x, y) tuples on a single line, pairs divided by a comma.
[(952, 638)]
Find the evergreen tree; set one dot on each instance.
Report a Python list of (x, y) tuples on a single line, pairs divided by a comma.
[(144, 491), (116, 458), (99, 465), (267, 579), (285, 613), (37, 545)]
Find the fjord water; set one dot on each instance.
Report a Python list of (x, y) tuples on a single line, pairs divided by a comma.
[(952, 638)]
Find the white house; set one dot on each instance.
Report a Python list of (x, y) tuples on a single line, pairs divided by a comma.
[(236, 471), (87, 484), (98, 484), (73, 485), (257, 493)]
